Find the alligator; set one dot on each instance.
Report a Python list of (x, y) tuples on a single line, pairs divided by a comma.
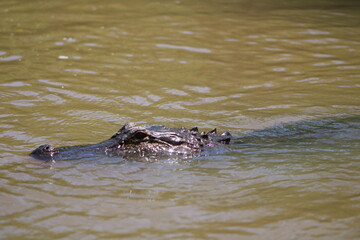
[(134, 141)]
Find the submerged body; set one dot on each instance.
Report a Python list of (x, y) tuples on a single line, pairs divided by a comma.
[(140, 141)]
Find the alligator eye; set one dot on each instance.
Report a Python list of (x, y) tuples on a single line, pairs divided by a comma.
[(140, 135), (45, 148)]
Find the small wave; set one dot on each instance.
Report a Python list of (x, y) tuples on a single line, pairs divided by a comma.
[(186, 48), (10, 58), (346, 127)]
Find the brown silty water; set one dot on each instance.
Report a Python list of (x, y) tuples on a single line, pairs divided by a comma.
[(281, 76)]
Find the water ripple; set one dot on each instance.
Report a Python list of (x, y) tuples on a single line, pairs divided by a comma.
[(80, 71), (10, 58), (186, 48), (15, 84), (235, 66)]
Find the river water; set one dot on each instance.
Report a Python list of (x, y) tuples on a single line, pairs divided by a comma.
[(282, 76)]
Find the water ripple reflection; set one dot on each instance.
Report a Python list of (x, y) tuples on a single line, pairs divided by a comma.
[(75, 73), (191, 49), (10, 58)]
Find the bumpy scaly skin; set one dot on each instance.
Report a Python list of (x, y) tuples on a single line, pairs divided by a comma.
[(144, 141)]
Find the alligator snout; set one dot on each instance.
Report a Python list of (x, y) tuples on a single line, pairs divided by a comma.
[(43, 152)]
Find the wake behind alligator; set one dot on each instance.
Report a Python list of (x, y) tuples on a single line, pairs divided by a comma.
[(132, 141)]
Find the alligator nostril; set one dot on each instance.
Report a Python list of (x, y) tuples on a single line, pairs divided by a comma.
[(46, 148)]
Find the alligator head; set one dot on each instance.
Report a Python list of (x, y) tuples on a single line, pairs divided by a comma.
[(147, 141)]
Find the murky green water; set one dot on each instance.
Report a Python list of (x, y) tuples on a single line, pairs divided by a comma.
[(73, 72)]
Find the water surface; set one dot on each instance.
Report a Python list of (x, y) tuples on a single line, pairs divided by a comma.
[(281, 76)]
